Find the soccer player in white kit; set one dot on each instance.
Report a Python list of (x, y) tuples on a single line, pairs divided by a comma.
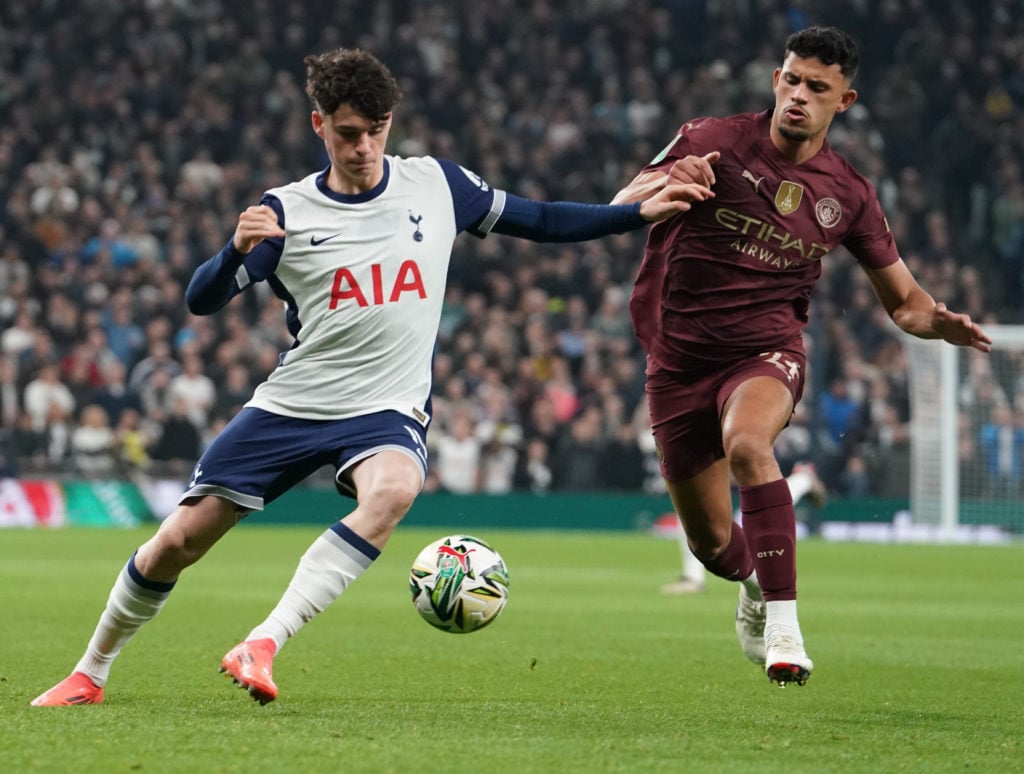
[(359, 255)]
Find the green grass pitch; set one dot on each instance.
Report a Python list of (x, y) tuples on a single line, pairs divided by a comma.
[(919, 654)]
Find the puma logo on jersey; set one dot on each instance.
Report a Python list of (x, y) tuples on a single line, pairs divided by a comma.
[(317, 242), (748, 175)]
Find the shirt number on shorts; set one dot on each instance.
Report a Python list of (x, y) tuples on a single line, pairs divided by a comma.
[(787, 365)]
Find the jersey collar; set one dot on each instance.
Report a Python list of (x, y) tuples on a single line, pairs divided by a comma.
[(365, 196)]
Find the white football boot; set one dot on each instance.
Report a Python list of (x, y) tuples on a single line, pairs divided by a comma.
[(750, 618), (786, 661)]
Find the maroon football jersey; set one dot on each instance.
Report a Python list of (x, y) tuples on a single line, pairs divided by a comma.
[(734, 274)]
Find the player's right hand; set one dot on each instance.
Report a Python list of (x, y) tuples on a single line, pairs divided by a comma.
[(672, 200), (254, 225), (694, 169)]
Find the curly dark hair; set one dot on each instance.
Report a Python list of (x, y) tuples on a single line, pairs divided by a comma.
[(352, 76), (829, 44)]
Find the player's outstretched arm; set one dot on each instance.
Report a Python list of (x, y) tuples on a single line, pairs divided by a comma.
[(917, 313), (578, 222), (689, 169), (672, 200)]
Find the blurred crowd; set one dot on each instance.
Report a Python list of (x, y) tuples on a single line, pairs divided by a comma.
[(135, 131)]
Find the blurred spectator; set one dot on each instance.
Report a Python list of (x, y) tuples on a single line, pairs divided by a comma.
[(235, 391), (890, 473), (125, 336), (458, 455), (839, 412), (20, 335), (194, 389), (28, 445), (93, 444), (109, 247), (561, 390), (10, 392), (158, 359), (47, 398), (622, 461), (58, 436), (178, 443), (114, 396), (533, 472), (578, 462), (1001, 441), (498, 456), (855, 478), (132, 441)]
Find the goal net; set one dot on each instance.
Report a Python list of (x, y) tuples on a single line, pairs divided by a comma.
[(967, 433)]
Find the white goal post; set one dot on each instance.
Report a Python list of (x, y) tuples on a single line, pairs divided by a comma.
[(967, 433)]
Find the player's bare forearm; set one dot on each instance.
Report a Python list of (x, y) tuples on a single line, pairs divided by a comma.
[(689, 169), (643, 186), (938, 322), (917, 313), (673, 200)]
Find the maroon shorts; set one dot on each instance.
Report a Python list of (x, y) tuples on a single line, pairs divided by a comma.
[(686, 407)]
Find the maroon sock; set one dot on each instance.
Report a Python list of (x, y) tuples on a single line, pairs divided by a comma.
[(734, 563), (770, 522)]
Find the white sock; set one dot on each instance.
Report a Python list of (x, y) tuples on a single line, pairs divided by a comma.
[(752, 587), (800, 483), (329, 566), (132, 602), (693, 570), (782, 613)]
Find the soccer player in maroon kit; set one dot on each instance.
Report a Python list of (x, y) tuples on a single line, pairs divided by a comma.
[(719, 305)]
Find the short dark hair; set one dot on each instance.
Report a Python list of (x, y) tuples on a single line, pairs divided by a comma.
[(829, 44), (353, 76)]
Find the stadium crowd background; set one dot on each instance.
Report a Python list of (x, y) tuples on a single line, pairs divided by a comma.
[(134, 132)]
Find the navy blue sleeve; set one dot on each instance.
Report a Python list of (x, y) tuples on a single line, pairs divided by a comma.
[(472, 198), (229, 272), (565, 221)]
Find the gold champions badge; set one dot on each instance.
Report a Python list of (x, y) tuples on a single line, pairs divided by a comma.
[(788, 197)]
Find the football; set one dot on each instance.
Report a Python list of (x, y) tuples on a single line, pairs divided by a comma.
[(459, 584)]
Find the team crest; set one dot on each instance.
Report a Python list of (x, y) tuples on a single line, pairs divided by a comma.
[(828, 212), (788, 197)]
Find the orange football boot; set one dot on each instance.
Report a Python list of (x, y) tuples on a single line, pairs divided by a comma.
[(249, 665), (76, 688)]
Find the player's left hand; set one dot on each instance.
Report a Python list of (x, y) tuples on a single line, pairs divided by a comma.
[(959, 329), (254, 225), (672, 200), (694, 169)]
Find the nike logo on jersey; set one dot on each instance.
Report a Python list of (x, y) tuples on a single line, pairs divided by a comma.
[(748, 175), (315, 242)]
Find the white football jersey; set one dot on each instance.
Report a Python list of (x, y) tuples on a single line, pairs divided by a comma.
[(365, 276)]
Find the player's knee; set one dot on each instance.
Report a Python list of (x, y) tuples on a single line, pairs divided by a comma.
[(392, 498), (708, 546), (747, 452)]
